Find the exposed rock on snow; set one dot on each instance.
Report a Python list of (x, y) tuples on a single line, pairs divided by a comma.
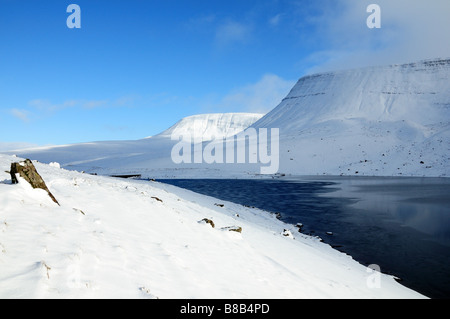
[(158, 199), (287, 233), (208, 221), (236, 229), (29, 174)]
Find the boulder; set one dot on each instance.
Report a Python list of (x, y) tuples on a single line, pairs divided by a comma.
[(28, 172)]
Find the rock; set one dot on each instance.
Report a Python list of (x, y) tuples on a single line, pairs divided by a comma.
[(219, 205), (208, 221), (287, 233), (156, 198), (28, 172), (79, 210), (277, 215), (237, 229)]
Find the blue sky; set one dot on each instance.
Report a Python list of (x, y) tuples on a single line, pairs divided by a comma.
[(136, 67)]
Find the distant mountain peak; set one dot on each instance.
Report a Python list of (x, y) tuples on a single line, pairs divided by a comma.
[(207, 126)]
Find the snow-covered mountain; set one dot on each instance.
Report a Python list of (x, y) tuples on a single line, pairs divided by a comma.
[(205, 127), (391, 120), (415, 93), (378, 121)]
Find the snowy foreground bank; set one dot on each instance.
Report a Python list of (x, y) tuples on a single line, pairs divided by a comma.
[(113, 238)]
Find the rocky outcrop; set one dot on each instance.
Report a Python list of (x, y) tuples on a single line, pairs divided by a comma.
[(28, 172)]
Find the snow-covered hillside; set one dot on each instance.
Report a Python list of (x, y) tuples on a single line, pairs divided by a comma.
[(378, 121), (114, 238), (150, 157), (392, 120)]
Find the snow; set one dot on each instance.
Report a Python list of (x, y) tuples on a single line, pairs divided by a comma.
[(376, 121), (115, 238), (55, 164)]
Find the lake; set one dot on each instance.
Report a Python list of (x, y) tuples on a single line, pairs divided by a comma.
[(401, 224)]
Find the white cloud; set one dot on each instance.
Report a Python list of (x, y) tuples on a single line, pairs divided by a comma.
[(22, 115), (48, 106), (410, 30), (259, 97), (93, 104), (232, 32), (275, 20)]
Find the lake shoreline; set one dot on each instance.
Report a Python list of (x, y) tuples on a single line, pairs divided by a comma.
[(340, 197)]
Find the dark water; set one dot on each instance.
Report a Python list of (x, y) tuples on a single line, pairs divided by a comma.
[(400, 224)]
